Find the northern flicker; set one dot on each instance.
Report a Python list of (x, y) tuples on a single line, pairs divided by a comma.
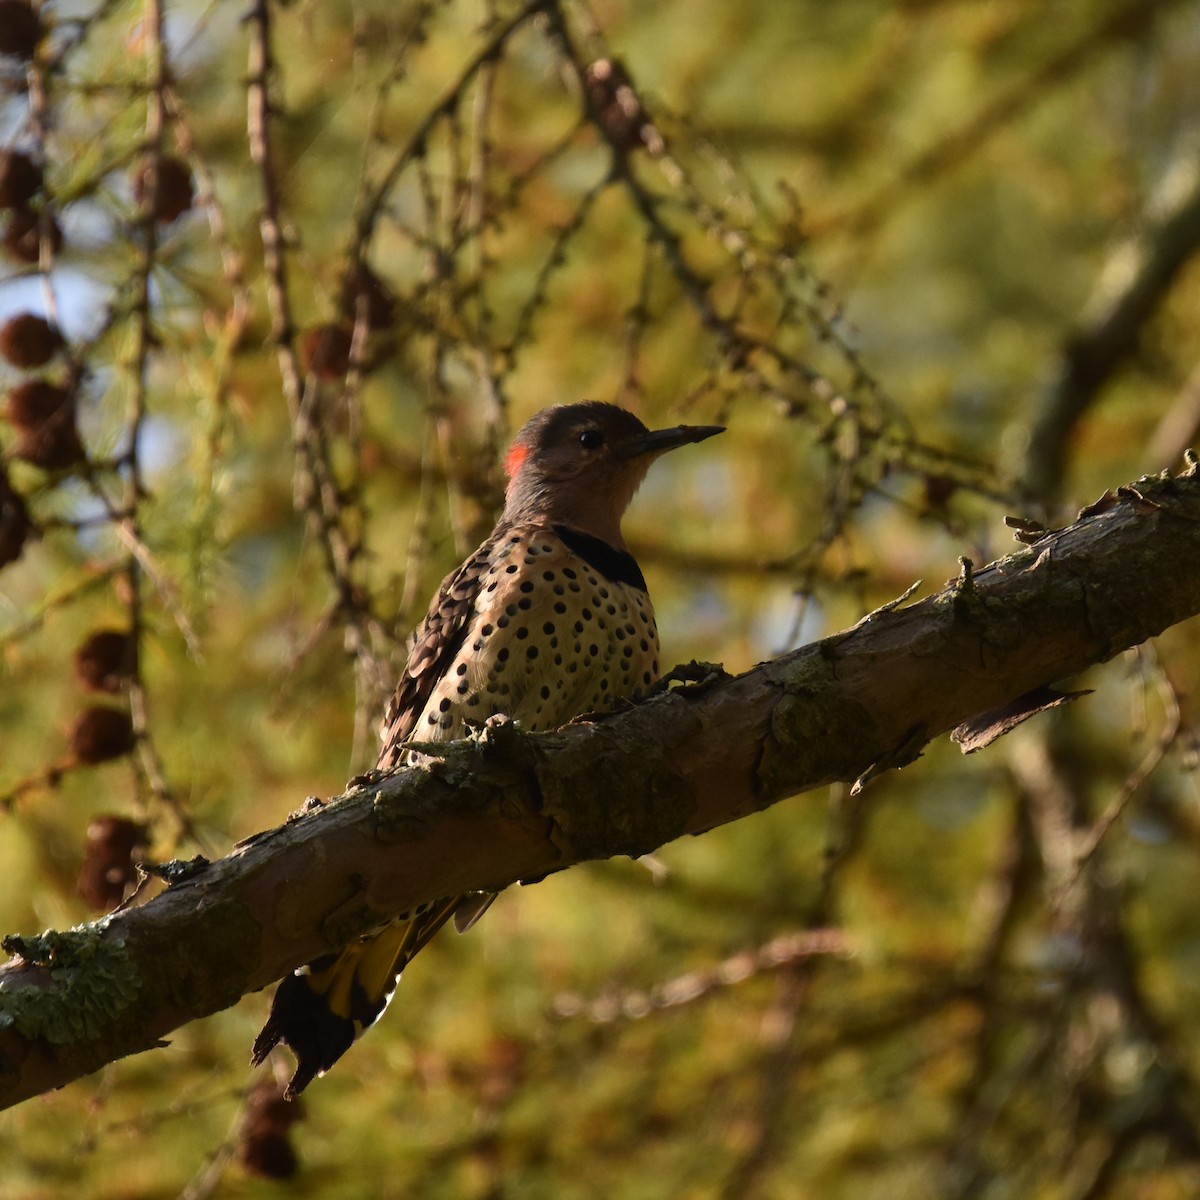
[(547, 620)]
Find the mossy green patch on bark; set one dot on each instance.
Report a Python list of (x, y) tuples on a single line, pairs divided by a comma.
[(95, 979)]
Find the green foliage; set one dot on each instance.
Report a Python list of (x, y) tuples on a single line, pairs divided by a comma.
[(874, 240)]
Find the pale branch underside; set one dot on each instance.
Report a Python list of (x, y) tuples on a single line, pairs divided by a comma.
[(510, 806)]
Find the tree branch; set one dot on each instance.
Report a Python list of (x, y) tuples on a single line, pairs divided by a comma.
[(510, 806), (1133, 286)]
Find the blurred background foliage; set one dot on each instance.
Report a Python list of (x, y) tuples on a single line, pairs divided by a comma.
[(302, 268)]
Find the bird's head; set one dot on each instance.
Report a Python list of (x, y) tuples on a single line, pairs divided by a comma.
[(580, 465)]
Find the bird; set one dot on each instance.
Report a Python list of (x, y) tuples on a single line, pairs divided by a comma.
[(549, 619)]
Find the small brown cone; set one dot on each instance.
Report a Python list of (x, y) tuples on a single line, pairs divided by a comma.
[(20, 179), (20, 28), (108, 867), (617, 106), (266, 1149), (33, 403), (44, 415), (54, 445), (380, 301), (100, 734), (28, 341), (176, 190), (325, 351), (23, 235), (104, 660)]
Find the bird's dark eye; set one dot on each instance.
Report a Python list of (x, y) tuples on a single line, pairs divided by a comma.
[(591, 439)]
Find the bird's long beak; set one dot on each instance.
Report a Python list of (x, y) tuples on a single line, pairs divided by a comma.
[(659, 441)]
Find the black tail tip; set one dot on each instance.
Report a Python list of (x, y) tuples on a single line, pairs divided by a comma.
[(301, 1020), (307, 1067)]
